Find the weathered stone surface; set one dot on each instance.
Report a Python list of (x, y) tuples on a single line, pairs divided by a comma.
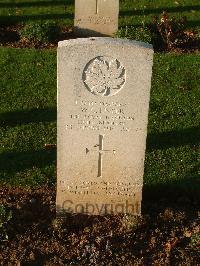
[(96, 17), (103, 100)]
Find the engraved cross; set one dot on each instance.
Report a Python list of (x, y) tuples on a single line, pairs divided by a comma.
[(96, 10), (101, 152)]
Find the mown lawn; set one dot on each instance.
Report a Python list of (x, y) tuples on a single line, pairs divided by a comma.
[(132, 12), (168, 232), (28, 115), (28, 120)]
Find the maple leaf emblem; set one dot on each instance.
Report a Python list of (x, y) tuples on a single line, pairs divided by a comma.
[(104, 76)]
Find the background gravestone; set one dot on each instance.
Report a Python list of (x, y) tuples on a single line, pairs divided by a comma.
[(103, 100), (96, 17)]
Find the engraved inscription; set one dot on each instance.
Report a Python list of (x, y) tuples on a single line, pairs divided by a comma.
[(106, 116), (101, 152), (94, 20), (104, 76), (102, 188)]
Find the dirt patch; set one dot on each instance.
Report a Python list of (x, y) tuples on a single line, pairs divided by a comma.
[(10, 37), (35, 237)]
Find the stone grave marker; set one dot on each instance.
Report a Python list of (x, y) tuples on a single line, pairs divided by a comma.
[(103, 100), (96, 17)]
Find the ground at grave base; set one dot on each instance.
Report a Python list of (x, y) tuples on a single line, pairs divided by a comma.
[(166, 234), (10, 37)]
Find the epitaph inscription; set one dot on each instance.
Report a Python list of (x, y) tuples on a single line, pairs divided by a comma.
[(103, 100), (102, 188)]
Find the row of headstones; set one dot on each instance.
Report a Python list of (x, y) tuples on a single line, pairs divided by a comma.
[(103, 101)]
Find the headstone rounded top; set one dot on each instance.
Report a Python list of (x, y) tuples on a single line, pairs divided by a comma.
[(105, 40)]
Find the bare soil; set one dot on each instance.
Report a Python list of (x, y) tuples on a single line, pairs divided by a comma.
[(161, 236), (10, 37)]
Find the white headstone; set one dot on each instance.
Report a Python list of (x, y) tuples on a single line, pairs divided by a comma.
[(96, 17), (103, 100)]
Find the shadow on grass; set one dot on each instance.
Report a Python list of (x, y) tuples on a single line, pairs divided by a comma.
[(158, 11), (16, 118), (190, 24), (36, 4), (181, 195), (9, 20), (193, 24), (154, 11), (12, 162), (174, 138)]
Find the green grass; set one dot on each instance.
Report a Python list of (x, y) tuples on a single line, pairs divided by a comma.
[(21, 11), (172, 158), (28, 115), (132, 12), (28, 98), (28, 119)]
